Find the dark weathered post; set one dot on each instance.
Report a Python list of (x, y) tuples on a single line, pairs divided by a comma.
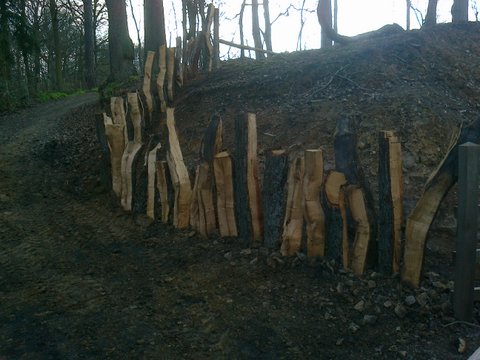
[(469, 155)]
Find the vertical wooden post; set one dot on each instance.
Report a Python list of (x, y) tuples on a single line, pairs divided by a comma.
[(273, 196), (152, 189), (162, 63), (147, 82), (170, 74), (164, 186), (247, 187), (467, 226), (222, 165), (293, 224), (179, 174), (313, 211), (390, 187)]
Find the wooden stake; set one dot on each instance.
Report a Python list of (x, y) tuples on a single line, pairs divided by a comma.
[(116, 143), (313, 211), (337, 245), (129, 159), (205, 200), (467, 228), (152, 184), (147, 82), (273, 195), (358, 209), (164, 185), (293, 224), (117, 107), (222, 165), (390, 202), (171, 74), (249, 211), (421, 217), (162, 63), (135, 117), (212, 140), (179, 173)]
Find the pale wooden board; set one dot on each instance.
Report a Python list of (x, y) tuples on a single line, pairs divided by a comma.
[(147, 81), (117, 107), (357, 205), (293, 224), (152, 171), (116, 144), (162, 63), (223, 169), (313, 211), (135, 116)]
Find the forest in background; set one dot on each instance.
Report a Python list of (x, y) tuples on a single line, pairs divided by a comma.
[(51, 48)]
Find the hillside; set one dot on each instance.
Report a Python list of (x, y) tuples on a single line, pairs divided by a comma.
[(421, 84)]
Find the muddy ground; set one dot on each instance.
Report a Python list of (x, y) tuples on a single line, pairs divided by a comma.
[(79, 278)]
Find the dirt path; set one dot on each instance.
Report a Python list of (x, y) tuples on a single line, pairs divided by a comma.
[(81, 279)]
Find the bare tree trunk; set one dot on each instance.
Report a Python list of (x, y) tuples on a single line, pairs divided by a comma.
[(89, 44), (139, 40), (257, 38), (409, 5), (240, 23), (324, 10), (431, 17), (268, 25), (56, 44), (154, 27), (460, 11), (324, 14), (119, 42), (335, 15)]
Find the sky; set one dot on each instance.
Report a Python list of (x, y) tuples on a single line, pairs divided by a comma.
[(354, 17)]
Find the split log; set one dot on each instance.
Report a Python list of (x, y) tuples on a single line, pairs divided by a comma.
[(152, 191), (170, 74), (204, 196), (293, 224), (194, 210), (273, 196), (129, 160), (135, 117), (105, 168), (179, 174), (165, 190), (162, 63), (116, 143), (222, 165), (213, 139), (147, 82), (436, 188), (117, 107), (313, 211), (358, 209), (347, 162), (247, 187), (336, 236), (178, 62), (390, 187)]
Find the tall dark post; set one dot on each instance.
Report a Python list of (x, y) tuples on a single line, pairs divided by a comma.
[(467, 226)]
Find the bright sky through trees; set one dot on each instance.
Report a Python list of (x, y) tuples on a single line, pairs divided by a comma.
[(354, 17)]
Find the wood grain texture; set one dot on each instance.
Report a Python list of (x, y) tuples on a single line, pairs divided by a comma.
[(223, 172), (293, 224), (313, 211)]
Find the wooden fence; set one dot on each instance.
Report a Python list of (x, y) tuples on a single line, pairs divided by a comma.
[(335, 208)]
